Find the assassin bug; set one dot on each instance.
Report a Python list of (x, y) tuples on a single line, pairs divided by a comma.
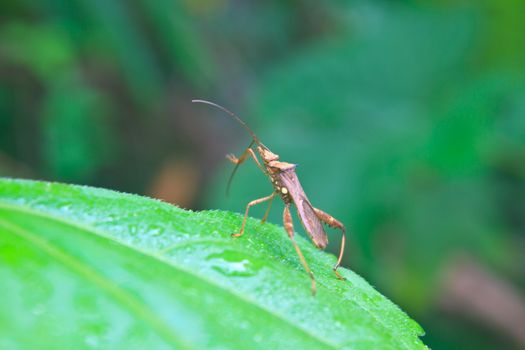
[(285, 184)]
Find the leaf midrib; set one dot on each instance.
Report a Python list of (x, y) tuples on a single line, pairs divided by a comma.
[(99, 280)]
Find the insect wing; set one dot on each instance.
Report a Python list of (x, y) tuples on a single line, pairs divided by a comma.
[(312, 224), (305, 211)]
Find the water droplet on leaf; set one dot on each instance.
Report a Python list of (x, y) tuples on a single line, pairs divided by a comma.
[(232, 263)]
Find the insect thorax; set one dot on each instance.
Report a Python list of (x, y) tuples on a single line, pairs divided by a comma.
[(275, 168)]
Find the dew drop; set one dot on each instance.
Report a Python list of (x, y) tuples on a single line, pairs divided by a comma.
[(65, 208), (232, 263), (39, 309), (132, 229), (92, 341), (155, 231)]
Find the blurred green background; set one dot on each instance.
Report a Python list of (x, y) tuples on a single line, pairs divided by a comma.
[(407, 119)]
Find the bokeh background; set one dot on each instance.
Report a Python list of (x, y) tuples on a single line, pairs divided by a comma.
[(407, 119)]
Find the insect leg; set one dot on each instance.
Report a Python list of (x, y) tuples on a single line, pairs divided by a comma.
[(267, 211), (251, 204), (288, 225), (239, 161), (242, 158), (333, 222)]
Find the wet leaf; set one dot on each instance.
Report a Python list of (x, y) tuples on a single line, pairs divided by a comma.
[(92, 268)]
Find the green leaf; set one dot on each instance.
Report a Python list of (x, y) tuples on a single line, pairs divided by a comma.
[(90, 268)]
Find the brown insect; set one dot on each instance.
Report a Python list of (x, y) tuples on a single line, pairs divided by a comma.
[(285, 184)]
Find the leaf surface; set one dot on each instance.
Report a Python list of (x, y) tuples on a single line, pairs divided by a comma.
[(90, 268)]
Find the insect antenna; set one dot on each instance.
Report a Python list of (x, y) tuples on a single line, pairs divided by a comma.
[(252, 134)]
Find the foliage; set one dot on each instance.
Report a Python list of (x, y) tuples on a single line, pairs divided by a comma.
[(95, 268), (406, 118)]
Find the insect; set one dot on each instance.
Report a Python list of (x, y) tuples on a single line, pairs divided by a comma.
[(286, 185)]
